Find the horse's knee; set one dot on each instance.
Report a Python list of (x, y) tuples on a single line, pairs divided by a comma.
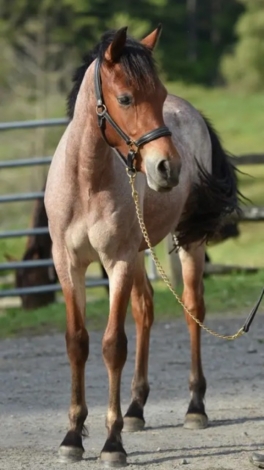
[(115, 348), (78, 345)]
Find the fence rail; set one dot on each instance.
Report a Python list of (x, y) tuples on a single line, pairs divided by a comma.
[(24, 233), (25, 162), (249, 213), (248, 159), (11, 126)]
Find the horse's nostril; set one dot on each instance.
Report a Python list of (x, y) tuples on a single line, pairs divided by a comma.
[(163, 168)]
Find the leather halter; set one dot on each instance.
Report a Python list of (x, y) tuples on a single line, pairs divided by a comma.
[(103, 115)]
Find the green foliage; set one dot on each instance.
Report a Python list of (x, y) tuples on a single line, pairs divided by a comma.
[(245, 66), (195, 33)]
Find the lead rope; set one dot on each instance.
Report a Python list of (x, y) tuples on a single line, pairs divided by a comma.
[(161, 271)]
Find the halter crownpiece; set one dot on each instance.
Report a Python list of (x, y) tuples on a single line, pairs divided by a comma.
[(103, 115)]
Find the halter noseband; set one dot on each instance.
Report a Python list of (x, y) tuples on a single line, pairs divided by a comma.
[(103, 115)]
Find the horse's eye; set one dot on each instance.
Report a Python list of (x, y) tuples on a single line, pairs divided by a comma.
[(125, 100)]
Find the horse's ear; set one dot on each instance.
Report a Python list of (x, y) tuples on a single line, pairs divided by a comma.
[(115, 49), (151, 40)]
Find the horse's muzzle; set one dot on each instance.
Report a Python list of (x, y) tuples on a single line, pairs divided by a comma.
[(162, 174)]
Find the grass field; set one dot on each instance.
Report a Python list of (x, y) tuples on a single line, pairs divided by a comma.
[(239, 120), (232, 294)]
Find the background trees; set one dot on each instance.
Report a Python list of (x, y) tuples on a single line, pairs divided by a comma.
[(246, 65), (196, 35)]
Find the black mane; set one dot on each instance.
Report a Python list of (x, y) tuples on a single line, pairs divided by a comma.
[(136, 60)]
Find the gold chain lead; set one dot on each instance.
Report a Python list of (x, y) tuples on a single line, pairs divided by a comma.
[(161, 271)]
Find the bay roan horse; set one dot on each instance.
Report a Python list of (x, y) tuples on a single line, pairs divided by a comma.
[(185, 184)]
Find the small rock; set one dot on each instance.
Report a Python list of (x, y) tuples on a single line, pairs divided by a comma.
[(252, 350), (158, 449), (183, 462)]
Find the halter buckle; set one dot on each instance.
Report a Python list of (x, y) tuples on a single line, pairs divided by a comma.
[(131, 156)]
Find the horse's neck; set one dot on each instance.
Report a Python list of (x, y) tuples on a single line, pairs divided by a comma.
[(87, 149)]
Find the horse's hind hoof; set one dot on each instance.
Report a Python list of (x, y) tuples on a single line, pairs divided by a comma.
[(195, 421), (257, 460), (132, 424), (113, 459), (70, 454), (71, 448)]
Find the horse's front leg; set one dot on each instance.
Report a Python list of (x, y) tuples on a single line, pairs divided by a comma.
[(192, 273), (115, 352), (72, 279), (142, 309)]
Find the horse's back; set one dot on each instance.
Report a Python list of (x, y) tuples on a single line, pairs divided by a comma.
[(189, 133)]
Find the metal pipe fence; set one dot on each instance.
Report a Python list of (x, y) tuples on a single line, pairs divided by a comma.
[(19, 197), (250, 214)]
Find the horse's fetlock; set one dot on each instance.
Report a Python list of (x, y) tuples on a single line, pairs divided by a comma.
[(140, 392)]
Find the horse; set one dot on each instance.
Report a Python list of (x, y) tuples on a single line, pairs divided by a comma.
[(124, 121)]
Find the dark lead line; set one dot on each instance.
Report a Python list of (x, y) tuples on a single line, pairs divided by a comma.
[(252, 314)]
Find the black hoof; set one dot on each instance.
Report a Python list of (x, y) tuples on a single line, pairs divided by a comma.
[(134, 418), (113, 454), (71, 448)]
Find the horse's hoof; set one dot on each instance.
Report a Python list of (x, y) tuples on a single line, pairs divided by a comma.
[(132, 424), (257, 460), (71, 448), (195, 421), (70, 454), (113, 459)]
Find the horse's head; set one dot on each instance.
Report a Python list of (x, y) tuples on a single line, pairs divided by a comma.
[(130, 98)]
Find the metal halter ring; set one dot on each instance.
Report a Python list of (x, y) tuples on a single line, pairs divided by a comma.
[(133, 146), (103, 107)]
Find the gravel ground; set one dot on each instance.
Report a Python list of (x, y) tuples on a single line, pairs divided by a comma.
[(35, 392)]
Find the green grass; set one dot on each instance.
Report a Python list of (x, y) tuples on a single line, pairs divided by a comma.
[(237, 116), (231, 294)]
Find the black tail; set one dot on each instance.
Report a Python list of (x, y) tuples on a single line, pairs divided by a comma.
[(214, 201)]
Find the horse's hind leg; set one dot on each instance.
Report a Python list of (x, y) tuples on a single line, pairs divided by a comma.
[(142, 309), (72, 280), (192, 272)]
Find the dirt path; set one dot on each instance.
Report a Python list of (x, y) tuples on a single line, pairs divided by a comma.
[(34, 398)]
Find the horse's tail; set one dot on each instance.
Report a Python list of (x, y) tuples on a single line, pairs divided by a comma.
[(222, 168), (214, 201)]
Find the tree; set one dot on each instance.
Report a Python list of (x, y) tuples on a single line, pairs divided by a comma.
[(245, 66)]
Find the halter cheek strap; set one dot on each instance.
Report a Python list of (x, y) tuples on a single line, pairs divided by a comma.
[(103, 116)]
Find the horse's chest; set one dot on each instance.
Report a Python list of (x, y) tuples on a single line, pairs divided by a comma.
[(161, 214)]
